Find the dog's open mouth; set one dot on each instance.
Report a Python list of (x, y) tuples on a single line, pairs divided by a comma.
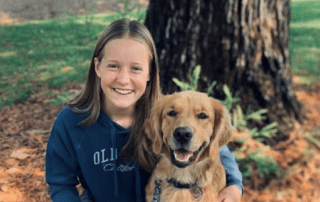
[(183, 158), (182, 155)]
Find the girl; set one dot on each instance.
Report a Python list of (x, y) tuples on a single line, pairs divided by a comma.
[(106, 117)]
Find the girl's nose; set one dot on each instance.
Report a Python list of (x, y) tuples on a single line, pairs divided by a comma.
[(123, 76)]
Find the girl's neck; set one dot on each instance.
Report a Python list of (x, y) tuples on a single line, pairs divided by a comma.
[(122, 117)]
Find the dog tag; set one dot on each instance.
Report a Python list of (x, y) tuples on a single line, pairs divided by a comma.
[(196, 192)]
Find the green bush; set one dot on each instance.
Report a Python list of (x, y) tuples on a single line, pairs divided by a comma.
[(265, 165)]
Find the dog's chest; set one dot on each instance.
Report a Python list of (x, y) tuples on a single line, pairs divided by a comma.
[(170, 193)]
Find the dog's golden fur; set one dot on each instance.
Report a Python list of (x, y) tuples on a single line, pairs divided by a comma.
[(210, 126)]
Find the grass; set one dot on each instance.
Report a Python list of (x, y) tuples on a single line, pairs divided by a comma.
[(304, 38), (55, 52), (51, 52)]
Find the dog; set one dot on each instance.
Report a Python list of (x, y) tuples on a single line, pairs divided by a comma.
[(186, 130)]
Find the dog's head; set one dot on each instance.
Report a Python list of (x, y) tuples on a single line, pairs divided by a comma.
[(187, 127)]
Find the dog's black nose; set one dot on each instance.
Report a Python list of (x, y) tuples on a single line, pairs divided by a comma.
[(182, 134)]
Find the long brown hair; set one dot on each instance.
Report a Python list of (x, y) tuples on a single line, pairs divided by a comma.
[(90, 99)]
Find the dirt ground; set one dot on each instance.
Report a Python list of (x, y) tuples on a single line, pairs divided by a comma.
[(25, 127)]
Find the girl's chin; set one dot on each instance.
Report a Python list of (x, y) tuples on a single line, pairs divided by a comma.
[(122, 105)]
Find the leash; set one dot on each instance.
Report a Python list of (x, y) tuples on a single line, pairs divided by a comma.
[(194, 189), (157, 190)]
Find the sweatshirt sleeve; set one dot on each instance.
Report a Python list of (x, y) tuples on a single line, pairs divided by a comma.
[(233, 174), (61, 167)]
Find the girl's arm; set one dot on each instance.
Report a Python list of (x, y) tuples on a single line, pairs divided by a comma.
[(61, 167), (234, 177)]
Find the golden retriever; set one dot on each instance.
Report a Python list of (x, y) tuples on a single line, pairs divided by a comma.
[(187, 129)]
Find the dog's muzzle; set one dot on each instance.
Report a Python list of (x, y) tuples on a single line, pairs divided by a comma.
[(182, 137), (181, 155)]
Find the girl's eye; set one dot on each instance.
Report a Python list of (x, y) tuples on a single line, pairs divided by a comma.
[(136, 69), (112, 66)]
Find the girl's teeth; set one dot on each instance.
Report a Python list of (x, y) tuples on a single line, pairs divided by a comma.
[(123, 92)]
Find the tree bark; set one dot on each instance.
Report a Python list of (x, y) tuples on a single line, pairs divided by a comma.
[(240, 43)]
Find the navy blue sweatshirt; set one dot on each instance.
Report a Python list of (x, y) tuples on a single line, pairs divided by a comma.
[(91, 156)]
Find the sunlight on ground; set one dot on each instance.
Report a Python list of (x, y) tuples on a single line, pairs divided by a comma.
[(9, 193), (8, 54), (314, 24)]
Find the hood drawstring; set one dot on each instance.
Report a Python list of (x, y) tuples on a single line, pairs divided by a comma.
[(138, 184), (115, 181), (136, 171)]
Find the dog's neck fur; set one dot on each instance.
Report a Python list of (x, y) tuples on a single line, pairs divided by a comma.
[(178, 184)]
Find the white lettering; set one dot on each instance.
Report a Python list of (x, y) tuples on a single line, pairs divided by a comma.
[(102, 156), (125, 168), (111, 159), (103, 159), (108, 167), (122, 168), (96, 158)]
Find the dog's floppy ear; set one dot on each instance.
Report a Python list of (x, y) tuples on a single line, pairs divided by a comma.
[(223, 129), (153, 127)]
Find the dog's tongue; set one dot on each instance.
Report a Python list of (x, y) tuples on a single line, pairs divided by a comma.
[(183, 156)]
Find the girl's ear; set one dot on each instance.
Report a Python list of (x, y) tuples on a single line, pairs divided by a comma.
[(97, 66)]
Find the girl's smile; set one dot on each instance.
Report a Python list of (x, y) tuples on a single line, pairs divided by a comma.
[(122, 91)]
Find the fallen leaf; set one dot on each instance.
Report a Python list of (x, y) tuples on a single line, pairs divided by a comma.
[(15, 171), (38, 173), (19, 154), (4, 188), (11, 162)]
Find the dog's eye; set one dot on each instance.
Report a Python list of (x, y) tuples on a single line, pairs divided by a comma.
[(172, 113), (202, 116)]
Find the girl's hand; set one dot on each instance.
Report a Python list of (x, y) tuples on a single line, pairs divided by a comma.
[(230, 194)]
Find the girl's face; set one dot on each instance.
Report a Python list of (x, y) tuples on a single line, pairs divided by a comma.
[(124, 73)]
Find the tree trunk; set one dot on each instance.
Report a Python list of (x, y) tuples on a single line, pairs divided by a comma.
[(241, 43)]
